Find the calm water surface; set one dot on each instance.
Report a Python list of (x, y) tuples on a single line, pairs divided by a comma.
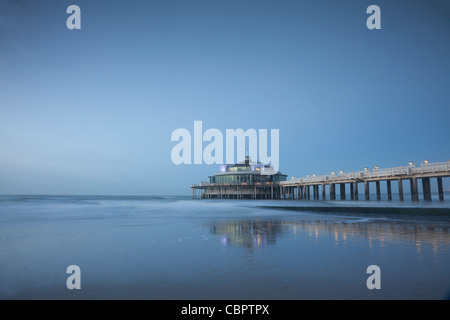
[(178, 248)]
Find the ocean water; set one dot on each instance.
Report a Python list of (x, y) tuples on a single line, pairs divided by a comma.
[(179, 248)]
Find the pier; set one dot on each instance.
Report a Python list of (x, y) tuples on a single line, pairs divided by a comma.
[(323, 187)]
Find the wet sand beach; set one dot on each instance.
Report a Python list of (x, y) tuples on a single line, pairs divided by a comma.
[(178, 248)]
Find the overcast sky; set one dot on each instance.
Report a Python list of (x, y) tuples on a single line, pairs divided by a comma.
[(91, 111)]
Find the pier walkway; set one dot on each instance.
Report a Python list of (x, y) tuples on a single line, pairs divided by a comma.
[(300, 188)]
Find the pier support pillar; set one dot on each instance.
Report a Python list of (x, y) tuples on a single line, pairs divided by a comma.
[(414, 191), (352, 194), (271, 192), (323, 192), (356, 190), (332, 192), (389, 190), (377, 183), (400, 189), (366, 190), (440, 189), (426, 188), (342, 191), (308, 193)]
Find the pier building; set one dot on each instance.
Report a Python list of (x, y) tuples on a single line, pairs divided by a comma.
[(243, 180)]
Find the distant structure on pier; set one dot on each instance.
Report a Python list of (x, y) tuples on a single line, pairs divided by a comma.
[(244, 180), (253, 180)]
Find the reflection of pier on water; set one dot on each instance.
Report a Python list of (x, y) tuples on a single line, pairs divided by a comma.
[(248, 233), (256, 233), (376, 232)]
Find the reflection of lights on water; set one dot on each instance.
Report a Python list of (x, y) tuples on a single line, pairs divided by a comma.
[(224, 241), (418, 247), (434, 247), (247, 233), (377, 235), (260, 240)]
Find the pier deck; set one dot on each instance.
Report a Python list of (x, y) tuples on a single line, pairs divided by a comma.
[(300, 188)]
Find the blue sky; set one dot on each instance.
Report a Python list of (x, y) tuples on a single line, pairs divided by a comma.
[(91, 111)]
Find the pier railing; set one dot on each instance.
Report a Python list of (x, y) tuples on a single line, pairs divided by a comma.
[(226, 184), (375, 173), (393, 172)]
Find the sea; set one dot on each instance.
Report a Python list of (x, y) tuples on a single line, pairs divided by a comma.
[(178, 248)]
